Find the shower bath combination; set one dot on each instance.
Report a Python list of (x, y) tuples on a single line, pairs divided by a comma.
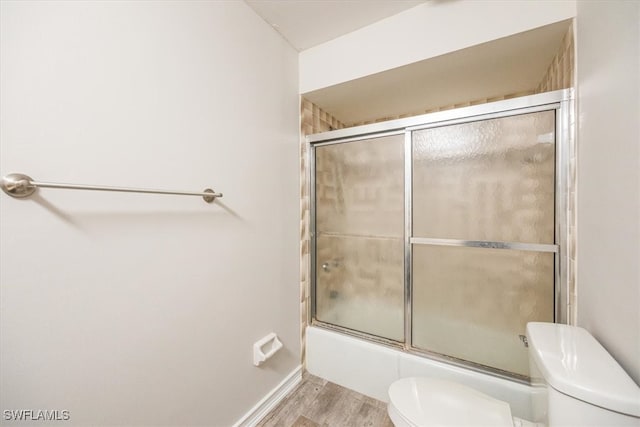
[(443, 235)]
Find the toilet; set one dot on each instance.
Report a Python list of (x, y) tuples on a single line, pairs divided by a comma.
[(575, 383)]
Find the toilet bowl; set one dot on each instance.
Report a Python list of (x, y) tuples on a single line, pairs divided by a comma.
[(577, 383), (417, 401)]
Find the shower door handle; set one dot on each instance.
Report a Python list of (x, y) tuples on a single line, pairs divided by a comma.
[(326, 266)]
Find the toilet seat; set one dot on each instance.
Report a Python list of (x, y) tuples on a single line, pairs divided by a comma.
[(426, 402)]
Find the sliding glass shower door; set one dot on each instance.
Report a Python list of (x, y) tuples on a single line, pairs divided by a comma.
[(443, 238), (483, 237), (359, 235)]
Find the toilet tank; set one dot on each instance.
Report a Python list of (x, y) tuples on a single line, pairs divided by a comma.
[(576, 381)]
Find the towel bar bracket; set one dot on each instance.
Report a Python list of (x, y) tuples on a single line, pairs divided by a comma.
[(18, 185), (211, 196)]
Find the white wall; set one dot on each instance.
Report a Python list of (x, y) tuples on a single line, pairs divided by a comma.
[(608, 256), (431, 29), (137, 309)]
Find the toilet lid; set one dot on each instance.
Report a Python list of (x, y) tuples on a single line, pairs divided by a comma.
[(433, 402)]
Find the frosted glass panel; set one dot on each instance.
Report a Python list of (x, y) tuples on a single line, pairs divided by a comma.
[(359, 235), (360, 187), (486, 180), (359, 284), (473, 303)]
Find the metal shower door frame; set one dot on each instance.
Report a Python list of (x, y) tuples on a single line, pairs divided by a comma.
[(562, 102)]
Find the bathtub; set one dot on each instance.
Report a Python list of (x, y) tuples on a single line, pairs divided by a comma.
[(370, 368)]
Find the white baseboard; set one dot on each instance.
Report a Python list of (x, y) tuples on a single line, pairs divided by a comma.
[(271, 400)]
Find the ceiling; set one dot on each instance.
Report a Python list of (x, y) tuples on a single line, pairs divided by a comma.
[(509, 65), (308, 23), (501, 67)]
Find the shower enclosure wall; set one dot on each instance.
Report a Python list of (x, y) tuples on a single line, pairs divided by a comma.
[(444, 234)]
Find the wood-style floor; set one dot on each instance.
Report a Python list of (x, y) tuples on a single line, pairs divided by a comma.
[(318, 403)]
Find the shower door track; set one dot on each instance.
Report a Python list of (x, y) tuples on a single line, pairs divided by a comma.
[(562, 103)]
